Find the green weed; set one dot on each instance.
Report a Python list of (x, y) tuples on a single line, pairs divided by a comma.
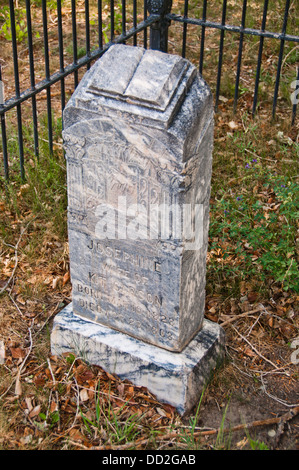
[(20, 23), (187, 436), (221, 441), (119, 427), (43, 193), (255, 444), (261, 236)]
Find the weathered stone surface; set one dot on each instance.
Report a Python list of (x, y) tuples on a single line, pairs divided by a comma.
[(175, 378), (148, 78), (138, 135)]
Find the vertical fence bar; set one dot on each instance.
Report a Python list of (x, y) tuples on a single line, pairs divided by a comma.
[(100, 24), (87, 31), (294, 108), (159, 29), (259, 60), (3, 134), (61, 58), (282, 41), (123, 18), (32, 77), (185, 29), (47, 72), (4, 146), (112, 19), (224, 6), (240, 54), (74, 36), (135, 21), (202, 40), (17, 86), (145, 30)]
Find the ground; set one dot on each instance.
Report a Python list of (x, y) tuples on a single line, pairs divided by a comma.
[(251, 402)]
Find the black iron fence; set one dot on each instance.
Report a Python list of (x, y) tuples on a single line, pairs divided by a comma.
[(90, 27)]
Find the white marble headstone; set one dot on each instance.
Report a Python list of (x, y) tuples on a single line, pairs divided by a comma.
[(138, 136)]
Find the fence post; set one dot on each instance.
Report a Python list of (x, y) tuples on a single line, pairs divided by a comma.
[(159, 30)]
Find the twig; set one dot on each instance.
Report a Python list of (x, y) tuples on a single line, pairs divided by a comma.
[(258, 156), (78, 358), (279, 400), (78, 402), (28, 354), (48, 319), (289, 266), (255, 322), (56, 393), (241, 315), (54, 143), (17, 378), (276, 371), (256, 310), (16, 257), (16, 305), (284, 60), (281, 425), (254, 349), (265, 422), (109, 395)]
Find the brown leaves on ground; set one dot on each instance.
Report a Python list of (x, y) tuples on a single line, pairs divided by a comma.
[(66, 400)]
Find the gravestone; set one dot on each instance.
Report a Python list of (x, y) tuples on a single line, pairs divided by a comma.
[(138, 135)]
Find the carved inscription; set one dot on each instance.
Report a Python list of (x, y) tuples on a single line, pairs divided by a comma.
[(120, 290), (107, 163)]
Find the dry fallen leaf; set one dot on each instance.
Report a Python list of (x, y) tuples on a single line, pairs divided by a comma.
[(2, 352), (213, 318), (223, 99), (26, 440), (233, 125), (252, 296), (249, 352), (242, 443), (121, 389), (66, 278), (34, 412), (84, 395), (21, 300), (55, 282), (111, 377), (161, 412), (18, 387), (76, 435), (17, 352), (28, 403), (53, 406)]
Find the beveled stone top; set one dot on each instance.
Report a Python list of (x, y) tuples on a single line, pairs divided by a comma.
[(138, 76)]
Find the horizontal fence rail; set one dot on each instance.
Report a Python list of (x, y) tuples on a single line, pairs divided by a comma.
[(106, 22)]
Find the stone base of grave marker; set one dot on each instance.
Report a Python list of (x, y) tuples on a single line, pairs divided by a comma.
[(174, 378)]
